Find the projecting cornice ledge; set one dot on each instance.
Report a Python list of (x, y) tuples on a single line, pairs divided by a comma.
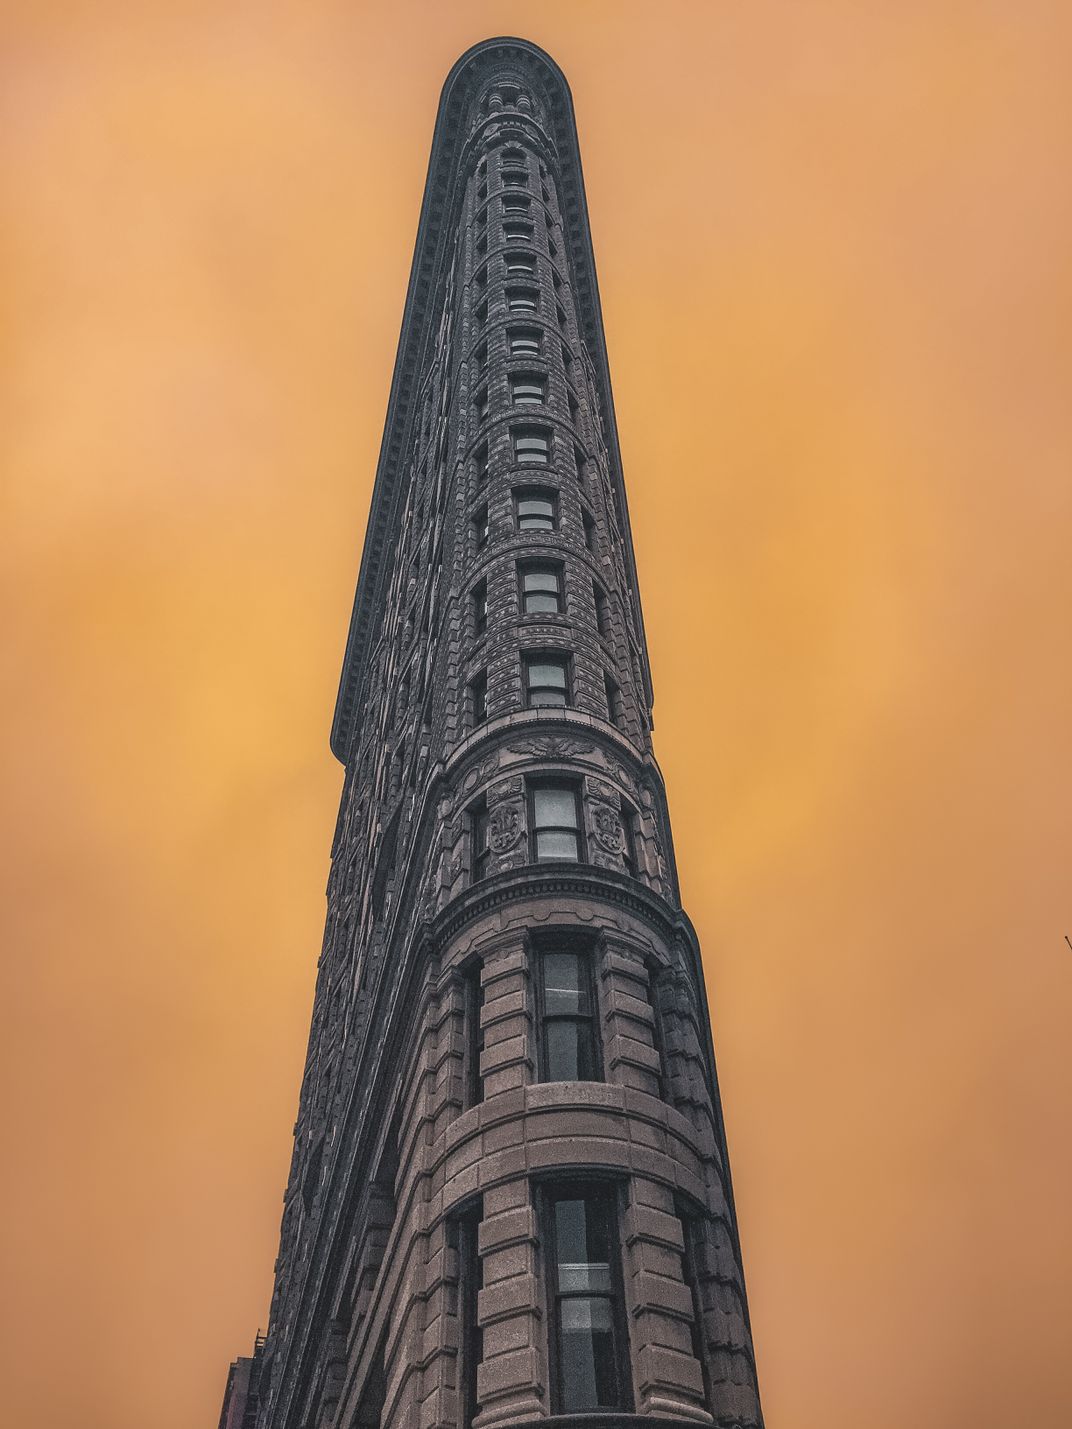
[(596, 886)]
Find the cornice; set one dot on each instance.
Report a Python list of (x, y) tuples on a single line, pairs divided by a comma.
[(442, 196)]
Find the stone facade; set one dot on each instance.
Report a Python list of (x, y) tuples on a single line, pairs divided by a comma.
[(503, 901)]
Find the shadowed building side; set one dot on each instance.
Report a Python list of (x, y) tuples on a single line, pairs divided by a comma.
[(509, 1200)]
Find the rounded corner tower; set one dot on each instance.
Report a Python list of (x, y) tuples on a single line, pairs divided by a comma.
[(509, 1201)]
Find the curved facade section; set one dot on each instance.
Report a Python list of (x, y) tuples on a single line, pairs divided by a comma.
[(509, 1199)]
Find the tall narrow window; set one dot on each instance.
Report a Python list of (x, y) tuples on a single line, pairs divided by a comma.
[(690, 1235), (478, 698), (480, 463), (480, 404), (555, 822), (535, 510), (569, 1050), (615, 707), (589, 524), (588, 1331), (532, 446), (478, 608), (518, 230), (599, 596), (463, 1237), (515, 179), (541, 590), (478, 837), (629, 837), (474, 1035), (480, 526), (546, 681), (580, 461)]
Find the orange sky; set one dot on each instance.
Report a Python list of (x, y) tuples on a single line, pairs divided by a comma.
[(833, 242)]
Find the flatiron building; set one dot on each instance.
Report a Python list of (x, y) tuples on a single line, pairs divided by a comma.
[(509, 1201)]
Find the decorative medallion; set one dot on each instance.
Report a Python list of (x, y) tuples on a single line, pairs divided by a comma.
[(608, 827), (504, 827)]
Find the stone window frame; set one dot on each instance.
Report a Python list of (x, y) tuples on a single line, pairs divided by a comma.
[(538, 566)]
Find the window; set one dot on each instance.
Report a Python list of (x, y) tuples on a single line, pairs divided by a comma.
[(481, 356), (480, 462), (523, 341), (516, 203), (568, 1046), (515, 179), (480, 404), (478, 698), (482, 276), (479, 525), (528, 389), (556, 279), (513, 156), (581, 462), (520, 265), (560, 314), (482, 245), (615, 705), (478, 608), (555, 822), (589, 524), (629, 841), (573, 404), (481, 312), (518, 230), (522, 300), (546, 681), (532, 446), (567, 359), (478, 834), (599, 596), (474, 1035), (482, 219), (463, 1237), (588, 1332), (482, 193), (541, 590), (691, 1240), (552, 247), (535, 510)]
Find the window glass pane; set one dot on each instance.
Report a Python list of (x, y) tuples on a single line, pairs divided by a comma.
[(589, 1380), (554, 843), (555, 808), (564, 1052), (541, 580), (582, 1243), (553, 676), (563, 983), (547, 699)]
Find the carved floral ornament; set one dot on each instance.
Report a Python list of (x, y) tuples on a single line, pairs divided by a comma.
[(504, 827)]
